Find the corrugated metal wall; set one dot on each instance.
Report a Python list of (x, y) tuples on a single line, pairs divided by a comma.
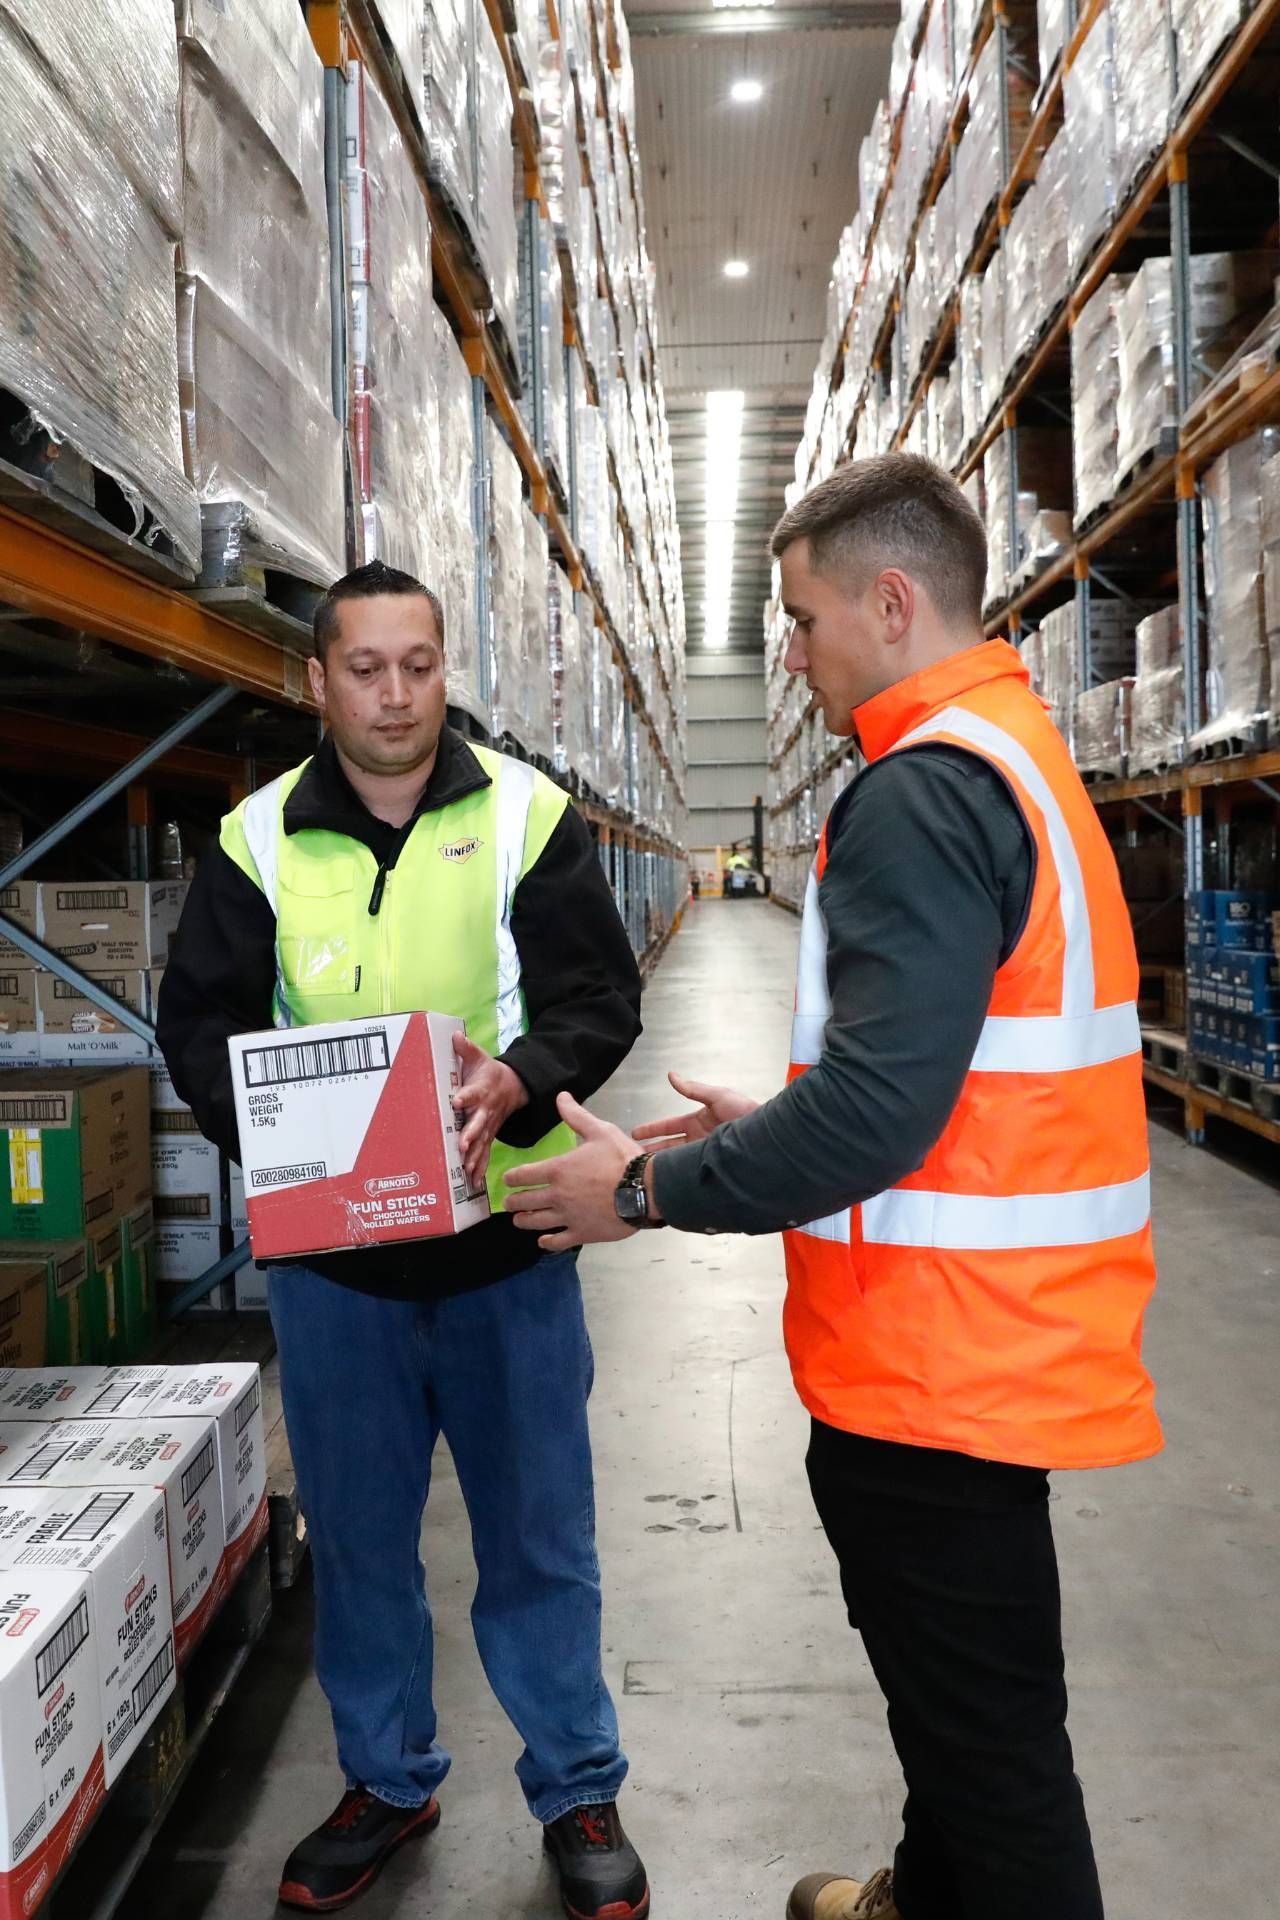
[(726, 745)]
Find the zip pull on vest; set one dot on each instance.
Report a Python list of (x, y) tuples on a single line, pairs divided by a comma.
[(379, 888)]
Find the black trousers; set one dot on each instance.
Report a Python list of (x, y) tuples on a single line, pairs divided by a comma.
[(949, 1573)]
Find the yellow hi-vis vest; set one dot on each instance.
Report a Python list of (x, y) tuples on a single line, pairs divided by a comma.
[(441, 940)]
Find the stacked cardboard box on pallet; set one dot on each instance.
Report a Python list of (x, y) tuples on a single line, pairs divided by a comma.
[(1233, 981)]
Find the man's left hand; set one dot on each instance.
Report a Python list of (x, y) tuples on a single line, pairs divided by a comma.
[(490, 1093), (569, 1202)]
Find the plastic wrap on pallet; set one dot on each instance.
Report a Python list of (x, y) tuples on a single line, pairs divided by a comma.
[(1051, 34), (254, 342), (1044, 539), (1102, 727), (392, 348), (456, 573), (495, 221), (1060, 667), (1021, 252), (508, 650), (609, 707), (446, 32), (1238, 675), (1201, 28), (1089, 110), (951, 435), (997, 479), (91, 209), (1148, 401), (969, 357), (994, 366), (977, 160), (1157, 701), (402, 25), (593, 485), (1053, 188), (873, 159), (537, 730), (1095, 390), (1144, 84), (933, 79), (542, 307), (1031, 648)]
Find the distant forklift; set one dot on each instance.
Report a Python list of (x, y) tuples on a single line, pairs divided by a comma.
[(743, 876)]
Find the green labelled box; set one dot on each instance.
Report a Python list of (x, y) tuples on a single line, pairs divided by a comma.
[(66, 1277), (104, 1295), (140, 1319), (75, 1150)]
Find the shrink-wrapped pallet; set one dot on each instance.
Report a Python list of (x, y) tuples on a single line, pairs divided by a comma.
[(494, 217), (456, 573), (402, 25), (1147, 408), (1089, 109), (969, 358), (1157, 701), (1051, 34), (1045, 538), (1095, 390), (1102, 727), (994, 364), (610, 724), (538, 735), (966, 15), (263, 447), (977, 160), (91, 209), (873, 159), (446, 60), (1053, 187), (542, 307), (1021, 252), (1060, 667), (508, 652), (395, 425), (1201, 29), (1237, 694), (1144, 84), (997, 481)]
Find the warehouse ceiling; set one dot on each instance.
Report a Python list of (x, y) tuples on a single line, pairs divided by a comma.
[(769, 183)]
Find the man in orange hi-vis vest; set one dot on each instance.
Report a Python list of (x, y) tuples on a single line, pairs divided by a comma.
[(959, 1162)]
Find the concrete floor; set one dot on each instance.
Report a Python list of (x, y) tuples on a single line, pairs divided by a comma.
[(755, 1730)]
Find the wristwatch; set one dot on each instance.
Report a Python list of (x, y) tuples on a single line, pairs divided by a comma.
[(630, 1201)]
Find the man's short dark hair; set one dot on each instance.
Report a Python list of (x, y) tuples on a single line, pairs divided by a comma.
[(366, 583), (897, 510)]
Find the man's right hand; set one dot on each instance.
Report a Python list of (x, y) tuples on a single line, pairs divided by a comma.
[(719, 1106)]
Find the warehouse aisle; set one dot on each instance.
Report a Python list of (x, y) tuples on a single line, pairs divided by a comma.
[(756, 1733)]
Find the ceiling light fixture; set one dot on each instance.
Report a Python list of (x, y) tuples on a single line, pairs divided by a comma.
[(736, 269), (724, 441), (746, 92)]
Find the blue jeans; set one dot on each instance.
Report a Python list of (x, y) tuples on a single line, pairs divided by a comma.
[(504, 1373)]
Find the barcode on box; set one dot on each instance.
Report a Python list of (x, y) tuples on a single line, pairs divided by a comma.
[(43, 1460), (64, 1646), (247, 1408), (9, 897), (177, 1121), (63, 989), (36, 1110), (317, 1059), (153, 1679), (182, 1206), (198, 1472), (92, 899), (112, 1398), (8, 986), (29, 1832), (96, 1517)]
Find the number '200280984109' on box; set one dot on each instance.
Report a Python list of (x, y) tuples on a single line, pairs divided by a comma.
[(347, 1134)]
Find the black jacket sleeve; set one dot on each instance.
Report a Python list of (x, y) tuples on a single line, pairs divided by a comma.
[(581, 982), (219, 980), (925, 889)]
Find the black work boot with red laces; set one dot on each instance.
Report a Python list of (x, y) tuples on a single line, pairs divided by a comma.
[(601, 1875), (335, 1864)]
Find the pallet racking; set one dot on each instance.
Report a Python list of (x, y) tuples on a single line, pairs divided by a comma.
[(1208, 182)]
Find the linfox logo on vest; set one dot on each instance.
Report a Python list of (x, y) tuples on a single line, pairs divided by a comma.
[(460, 851)]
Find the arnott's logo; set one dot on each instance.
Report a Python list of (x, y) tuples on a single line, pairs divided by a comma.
[(460, 851), (394, 1183)]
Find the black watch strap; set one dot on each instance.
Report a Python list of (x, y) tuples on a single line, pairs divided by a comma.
[(631, 1202)]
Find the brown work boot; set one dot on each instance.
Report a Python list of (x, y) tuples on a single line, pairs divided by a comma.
[(824, 1896)]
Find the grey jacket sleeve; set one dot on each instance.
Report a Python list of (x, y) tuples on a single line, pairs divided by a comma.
[(926, 889)]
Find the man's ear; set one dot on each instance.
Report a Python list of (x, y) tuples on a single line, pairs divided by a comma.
[(315, 674), (896, 594)]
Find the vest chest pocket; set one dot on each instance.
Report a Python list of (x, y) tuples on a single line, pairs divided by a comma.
[(315, 927)]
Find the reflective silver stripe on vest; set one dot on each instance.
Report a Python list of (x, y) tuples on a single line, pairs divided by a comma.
[(515, 797), (979, 1223), (263, 822), (813, 1001), (1082, 1035)]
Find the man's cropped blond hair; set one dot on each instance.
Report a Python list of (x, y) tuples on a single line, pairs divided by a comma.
[(897, 510)]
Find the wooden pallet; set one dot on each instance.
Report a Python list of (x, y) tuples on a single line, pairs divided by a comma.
[(1232, 746), (1162, 448), (1235, 383), (1237, 1089), (96, 1881), (1165, 1049), (39, 499)]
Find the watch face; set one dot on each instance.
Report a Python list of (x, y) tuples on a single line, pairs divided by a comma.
[(629, 1204)]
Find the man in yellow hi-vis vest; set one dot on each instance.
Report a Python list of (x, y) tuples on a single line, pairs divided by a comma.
[(402, 867)]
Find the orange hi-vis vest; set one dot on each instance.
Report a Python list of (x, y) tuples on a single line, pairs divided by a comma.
[(991, 1303)]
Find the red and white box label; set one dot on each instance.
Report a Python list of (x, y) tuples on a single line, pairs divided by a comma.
[(347, 1134)]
